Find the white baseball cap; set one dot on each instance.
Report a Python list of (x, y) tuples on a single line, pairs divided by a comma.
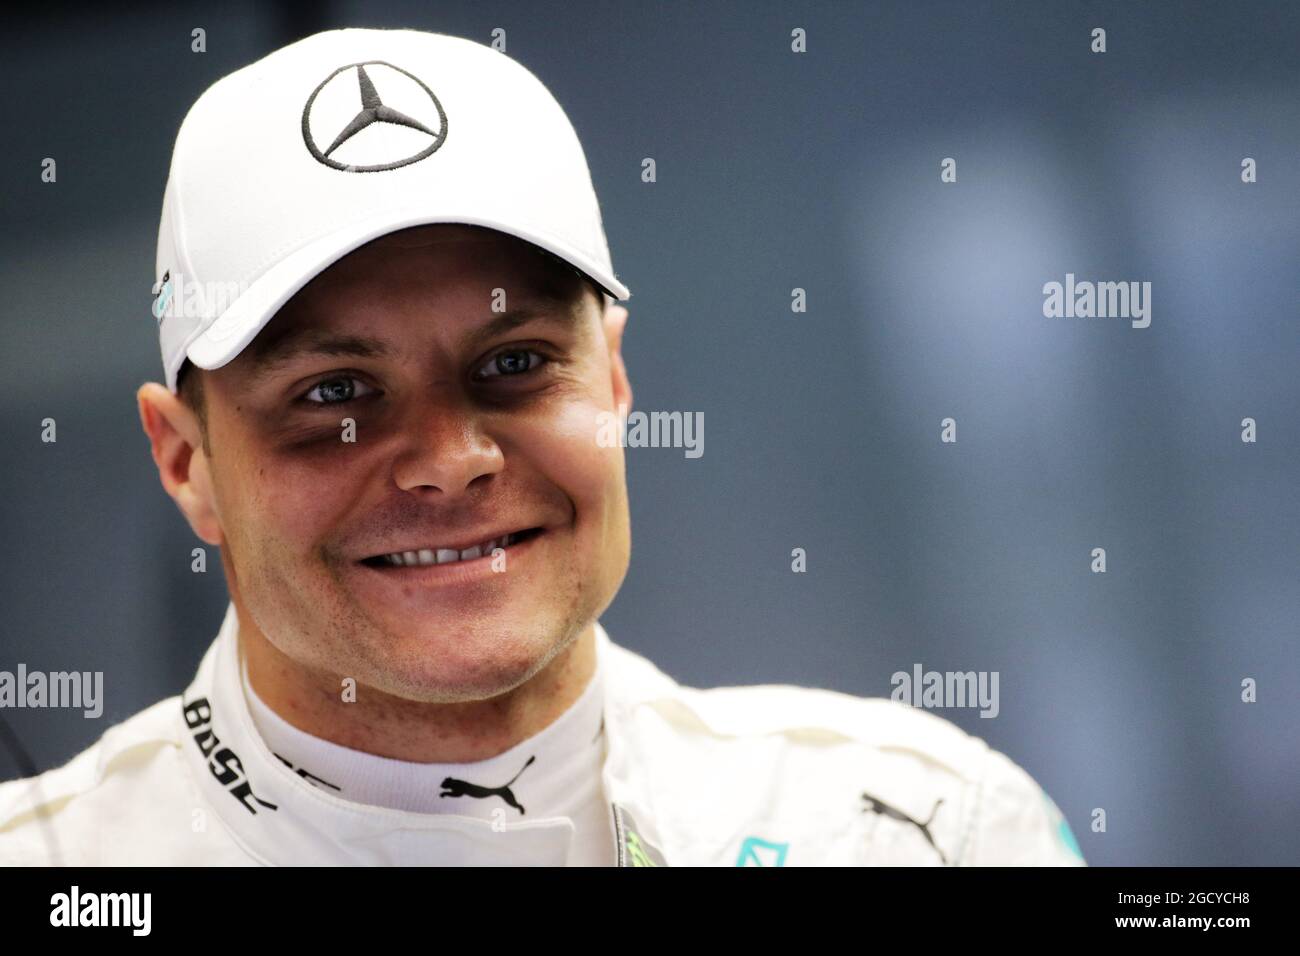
[(285, 166)]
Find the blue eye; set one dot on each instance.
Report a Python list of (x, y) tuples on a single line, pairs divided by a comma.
[(335, 391), (511, 362)]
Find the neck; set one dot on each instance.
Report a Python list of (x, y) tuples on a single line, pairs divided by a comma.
[(400, 729)]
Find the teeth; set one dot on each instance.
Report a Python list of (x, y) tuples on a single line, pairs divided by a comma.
[(431, 556)]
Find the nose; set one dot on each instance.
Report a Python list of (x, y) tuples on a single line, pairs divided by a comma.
[(445, 447)]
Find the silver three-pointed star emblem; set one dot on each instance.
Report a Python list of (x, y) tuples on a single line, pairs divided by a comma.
[(373, 110)]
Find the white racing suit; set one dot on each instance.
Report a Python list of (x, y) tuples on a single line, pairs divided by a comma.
[(771, 775)]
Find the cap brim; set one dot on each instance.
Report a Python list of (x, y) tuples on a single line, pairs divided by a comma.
[(249, 314)]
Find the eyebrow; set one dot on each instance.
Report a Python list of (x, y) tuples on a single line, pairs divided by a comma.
[(275, 353)]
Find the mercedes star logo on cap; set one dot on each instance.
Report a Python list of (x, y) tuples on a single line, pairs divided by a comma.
[(337, 97)]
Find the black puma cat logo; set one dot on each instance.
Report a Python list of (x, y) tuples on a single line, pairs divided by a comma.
[(461, 788), (885, 810)]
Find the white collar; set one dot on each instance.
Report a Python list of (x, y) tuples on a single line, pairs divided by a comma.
[(548, 775)]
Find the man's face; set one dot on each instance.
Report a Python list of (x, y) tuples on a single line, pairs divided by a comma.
[(470, 424)]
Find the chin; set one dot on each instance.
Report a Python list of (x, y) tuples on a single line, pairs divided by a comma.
[(469, 663), (449, 687)]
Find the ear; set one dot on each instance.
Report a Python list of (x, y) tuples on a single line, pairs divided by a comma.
[(614, 320), (177, 446)]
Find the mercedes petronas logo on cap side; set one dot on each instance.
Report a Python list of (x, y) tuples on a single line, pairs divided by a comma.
[(342, 114)]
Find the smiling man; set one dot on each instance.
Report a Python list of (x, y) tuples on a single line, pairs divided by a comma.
[(388, 321)]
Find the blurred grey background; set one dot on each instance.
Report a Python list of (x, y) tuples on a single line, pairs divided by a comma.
[(775, 171)]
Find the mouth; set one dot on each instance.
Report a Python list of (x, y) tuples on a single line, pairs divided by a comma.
[(438, 554)]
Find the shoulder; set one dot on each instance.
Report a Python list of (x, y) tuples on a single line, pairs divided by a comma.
[(907, 757), (124, 780), (803, 714)]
